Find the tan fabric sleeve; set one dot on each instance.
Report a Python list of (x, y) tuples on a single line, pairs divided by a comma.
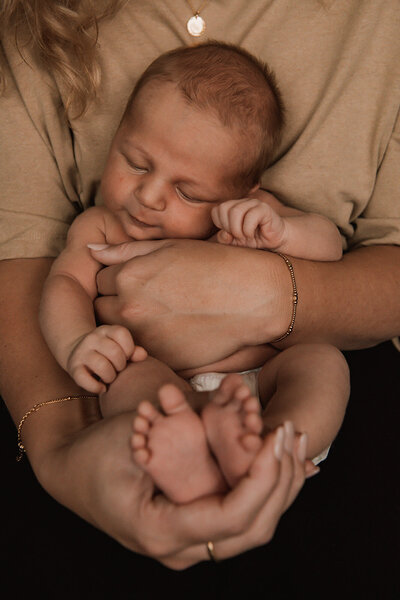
[(380, 221), (38, 196)]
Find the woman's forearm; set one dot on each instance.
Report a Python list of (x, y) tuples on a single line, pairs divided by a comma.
[(224, 298), (352, 303), (28, 372)]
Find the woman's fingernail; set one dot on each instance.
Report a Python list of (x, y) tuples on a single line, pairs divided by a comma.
[(315, 472), (279, 441), (289, 436), (302, 448), (98, 246)]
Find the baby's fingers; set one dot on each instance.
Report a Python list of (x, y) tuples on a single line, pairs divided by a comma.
[(124, 348), (113, 352), (89, 383), (94, 374), (121, 336), (216, 216), (220, 218), (139, 354), (253, 218), (230, 216), (221, 215), (224, 237), (234, 219)]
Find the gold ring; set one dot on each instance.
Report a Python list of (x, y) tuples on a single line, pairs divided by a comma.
[(210, 550)]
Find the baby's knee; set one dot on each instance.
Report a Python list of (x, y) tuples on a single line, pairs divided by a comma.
[(317, 352), (323, 359), (331, 357)]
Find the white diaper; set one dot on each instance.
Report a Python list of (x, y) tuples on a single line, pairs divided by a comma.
[(207, 382)]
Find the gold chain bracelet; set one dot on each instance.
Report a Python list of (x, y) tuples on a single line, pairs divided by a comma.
[(37, 407), (295, 299)]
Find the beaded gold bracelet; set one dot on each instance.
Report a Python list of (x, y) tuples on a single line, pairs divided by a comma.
[(37, 407), (295, 299)]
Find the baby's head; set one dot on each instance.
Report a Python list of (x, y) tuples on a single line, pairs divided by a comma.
[(200, 127)]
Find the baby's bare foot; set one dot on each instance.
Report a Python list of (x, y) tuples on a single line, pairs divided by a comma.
[(173, 449), (233, 424)]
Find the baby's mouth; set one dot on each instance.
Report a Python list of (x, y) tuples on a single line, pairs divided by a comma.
[(139, 223)]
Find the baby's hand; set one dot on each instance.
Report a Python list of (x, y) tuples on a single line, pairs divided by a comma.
[(100, 355), (248, 222)]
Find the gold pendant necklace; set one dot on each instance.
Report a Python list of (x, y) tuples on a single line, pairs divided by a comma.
[(196, 25)]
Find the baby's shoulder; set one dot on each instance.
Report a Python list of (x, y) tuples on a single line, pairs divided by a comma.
[(98, 220), (91, 217)]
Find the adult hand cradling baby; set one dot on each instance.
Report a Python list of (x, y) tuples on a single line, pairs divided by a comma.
[(128, 510)]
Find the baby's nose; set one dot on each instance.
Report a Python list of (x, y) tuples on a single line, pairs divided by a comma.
[(150, 195)]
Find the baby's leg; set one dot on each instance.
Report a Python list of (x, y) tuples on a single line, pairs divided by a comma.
[(137, 382), (307, 384), (233, 424)]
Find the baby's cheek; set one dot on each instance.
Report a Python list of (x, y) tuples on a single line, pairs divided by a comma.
[(115, 186), (107, 193), (204, 230)]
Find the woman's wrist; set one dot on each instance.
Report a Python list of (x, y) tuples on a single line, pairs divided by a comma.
[(351, 303), (274, 317), (294, 299), (53, 426)]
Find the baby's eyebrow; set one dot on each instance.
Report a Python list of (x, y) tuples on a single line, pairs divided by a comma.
[(127, 146)]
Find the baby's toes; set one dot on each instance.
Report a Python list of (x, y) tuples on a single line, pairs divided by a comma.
[(241, 393), (251, 442), (252, 405), (141, 456), (140, 425), (172, 399), (138, 441), (148, 411), (227, 390), (140, 451), (253, 423)]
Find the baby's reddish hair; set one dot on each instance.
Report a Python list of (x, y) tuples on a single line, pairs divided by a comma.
[(236, 87)]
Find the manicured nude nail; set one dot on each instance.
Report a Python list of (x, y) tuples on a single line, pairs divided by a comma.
[(302, 447), (98, 246), (279, 440), (289, 436)]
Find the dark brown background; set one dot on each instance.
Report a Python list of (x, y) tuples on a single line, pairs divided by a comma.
[(339, 539)]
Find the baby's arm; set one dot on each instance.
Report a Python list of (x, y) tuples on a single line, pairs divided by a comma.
[(268, 224), (67, 316)]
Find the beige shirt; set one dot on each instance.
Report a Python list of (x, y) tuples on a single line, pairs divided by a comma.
[(338, 66)]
